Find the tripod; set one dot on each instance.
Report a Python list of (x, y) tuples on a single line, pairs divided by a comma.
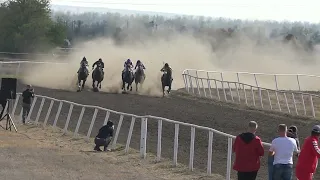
[(9, 122)]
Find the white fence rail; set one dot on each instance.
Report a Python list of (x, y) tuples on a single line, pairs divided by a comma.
[(16, 68), (298, 82), (292, 102), (65, 124), (57, 53)]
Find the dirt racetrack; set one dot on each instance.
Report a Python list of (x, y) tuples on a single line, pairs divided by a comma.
[(227, 118)]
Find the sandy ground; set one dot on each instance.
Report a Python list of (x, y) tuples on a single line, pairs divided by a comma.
[(37, 153)]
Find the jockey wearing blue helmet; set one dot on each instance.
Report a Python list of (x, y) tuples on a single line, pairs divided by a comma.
[(128, 63)]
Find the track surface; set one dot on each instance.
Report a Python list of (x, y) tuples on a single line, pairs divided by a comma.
[(226, 118)]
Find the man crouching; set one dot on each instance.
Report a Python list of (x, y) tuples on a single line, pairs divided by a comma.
[(104, 136)]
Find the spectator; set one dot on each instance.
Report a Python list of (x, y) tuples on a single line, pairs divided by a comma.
[(292, 133), (308, 158), (104, 136), (27, 96), (248, 149), (283, 148)]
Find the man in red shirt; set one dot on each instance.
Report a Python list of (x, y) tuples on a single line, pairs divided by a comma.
[(248, 149), (308, 158)]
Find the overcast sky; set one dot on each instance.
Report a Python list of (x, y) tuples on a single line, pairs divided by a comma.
[(293, 10)]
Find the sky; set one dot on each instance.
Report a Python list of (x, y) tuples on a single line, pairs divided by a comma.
[(279, 10)]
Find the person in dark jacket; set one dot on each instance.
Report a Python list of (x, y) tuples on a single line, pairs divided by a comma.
[(248, 149), (98, 63), (104, 136), (27, 96)]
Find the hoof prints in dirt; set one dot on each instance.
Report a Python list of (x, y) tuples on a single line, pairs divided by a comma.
[(223, 118)]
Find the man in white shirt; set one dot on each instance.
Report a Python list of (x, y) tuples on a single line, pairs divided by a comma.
[(283, 148)]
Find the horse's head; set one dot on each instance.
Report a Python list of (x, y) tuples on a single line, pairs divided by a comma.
[(140, 69), (99, 66)]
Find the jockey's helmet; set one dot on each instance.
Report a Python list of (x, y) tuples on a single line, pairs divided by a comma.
[(166, 65), (84, 59), (138, 62), (100, 59), (128, 61)]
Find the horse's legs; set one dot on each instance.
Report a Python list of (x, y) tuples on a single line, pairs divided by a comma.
[(83, 83), (163, 87), (170, 82), (100, 84), (123, 84), (137, 87)]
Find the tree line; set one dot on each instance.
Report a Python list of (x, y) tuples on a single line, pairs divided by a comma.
[(30, 25), (26, 25)]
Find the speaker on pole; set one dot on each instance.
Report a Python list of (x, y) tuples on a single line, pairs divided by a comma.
[(8, 88)]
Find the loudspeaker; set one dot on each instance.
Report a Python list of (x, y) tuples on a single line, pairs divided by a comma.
[(8, 88)]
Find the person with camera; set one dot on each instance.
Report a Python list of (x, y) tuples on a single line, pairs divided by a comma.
[(27, 96), (104, 136)]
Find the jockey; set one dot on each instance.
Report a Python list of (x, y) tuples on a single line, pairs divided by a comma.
[(85, 63), (139, 63), (99, 62), (128, 64), (166, 68)]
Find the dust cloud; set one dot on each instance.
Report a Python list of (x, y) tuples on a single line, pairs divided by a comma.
[(181, 51)]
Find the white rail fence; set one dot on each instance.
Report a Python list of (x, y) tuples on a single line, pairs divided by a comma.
[(144, 120), (292, 102), (55, 53), (16, 68), (297, 82)]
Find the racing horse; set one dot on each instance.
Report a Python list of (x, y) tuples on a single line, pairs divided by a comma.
[(166, 80), (97, 76), (82, 76), (127, 77), (139, 76)]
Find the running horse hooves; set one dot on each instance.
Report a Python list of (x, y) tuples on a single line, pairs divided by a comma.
[(95, 89)]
